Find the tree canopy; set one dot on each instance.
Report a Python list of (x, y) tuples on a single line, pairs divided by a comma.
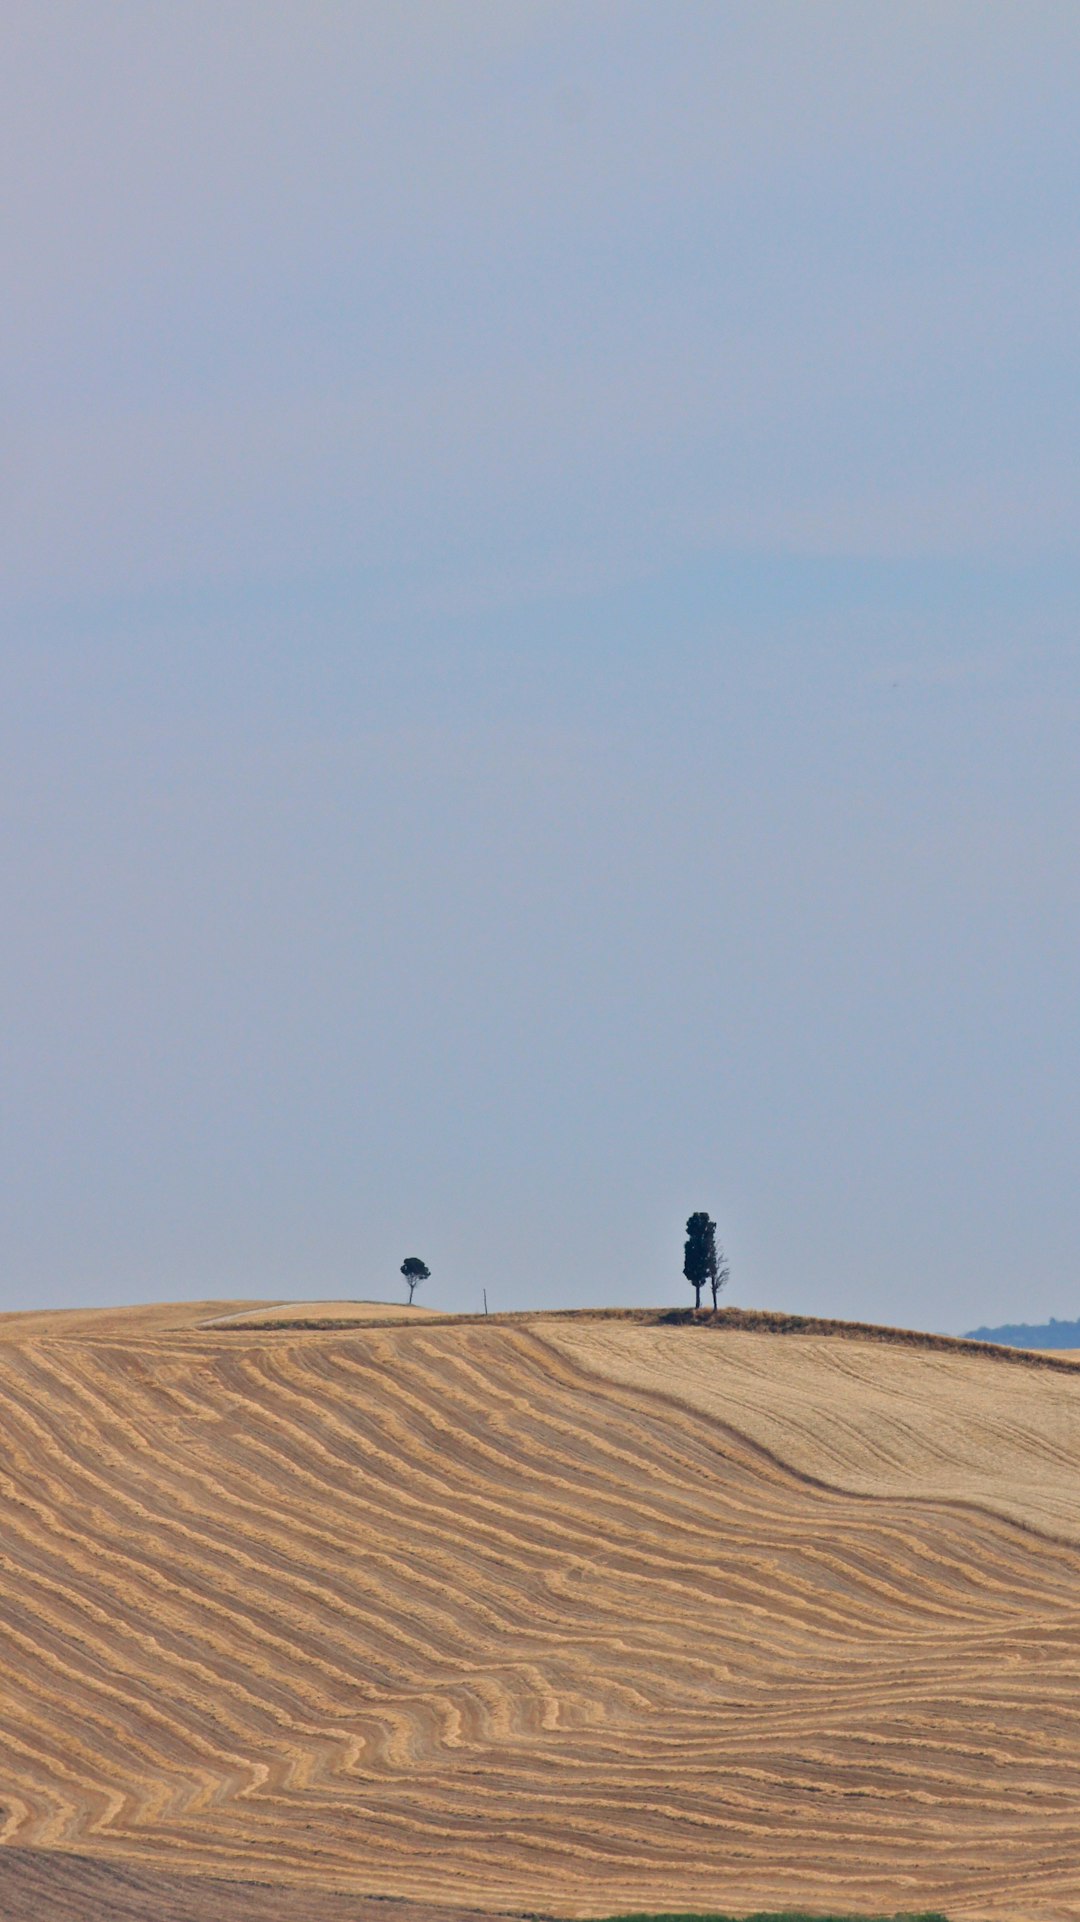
[(415, 1271), (702, 1260)]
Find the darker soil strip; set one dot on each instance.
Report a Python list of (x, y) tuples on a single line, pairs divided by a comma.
[(49, 1885)]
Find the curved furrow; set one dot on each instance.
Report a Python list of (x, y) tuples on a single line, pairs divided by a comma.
[(198, 1532), (477, 1613)]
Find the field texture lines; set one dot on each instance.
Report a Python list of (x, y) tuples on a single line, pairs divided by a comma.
[(566, 1617), (872, 1417)]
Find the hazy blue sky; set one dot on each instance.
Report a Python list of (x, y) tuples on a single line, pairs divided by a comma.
[(540, 686)]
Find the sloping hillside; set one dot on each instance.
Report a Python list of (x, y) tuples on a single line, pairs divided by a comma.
[(874, 1417), (574, 1616)]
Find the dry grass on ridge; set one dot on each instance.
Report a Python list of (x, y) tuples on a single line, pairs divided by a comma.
[(573, 1614)]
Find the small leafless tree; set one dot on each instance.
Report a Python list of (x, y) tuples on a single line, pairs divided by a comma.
[(719, 1273)]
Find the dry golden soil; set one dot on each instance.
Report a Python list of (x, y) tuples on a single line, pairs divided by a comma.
[(569, 1615)]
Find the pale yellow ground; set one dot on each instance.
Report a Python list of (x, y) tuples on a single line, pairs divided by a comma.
[(569, 1617), (281, 1314), (867, 1416), (128, 1324)]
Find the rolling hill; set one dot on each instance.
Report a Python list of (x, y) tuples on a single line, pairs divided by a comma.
[(566, 1614)]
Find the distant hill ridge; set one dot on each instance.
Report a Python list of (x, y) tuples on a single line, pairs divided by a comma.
[(1023, 1334)]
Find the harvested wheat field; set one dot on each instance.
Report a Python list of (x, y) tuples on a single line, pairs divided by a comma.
[(320, 1314), (567, 1614)]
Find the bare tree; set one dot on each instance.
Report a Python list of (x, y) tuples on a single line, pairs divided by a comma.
[(719, 1272)]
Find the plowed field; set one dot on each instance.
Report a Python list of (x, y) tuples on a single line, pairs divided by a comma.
[(573, 1616)]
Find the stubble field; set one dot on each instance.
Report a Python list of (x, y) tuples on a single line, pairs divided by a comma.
[(569, 1615)]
